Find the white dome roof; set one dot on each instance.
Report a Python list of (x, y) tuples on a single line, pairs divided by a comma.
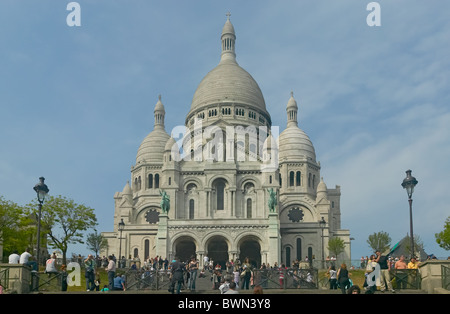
[(228, 82), (294, 144), (152, 147)]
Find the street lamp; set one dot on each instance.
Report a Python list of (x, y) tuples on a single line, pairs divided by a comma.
[(409, 183), (41, 190), (322, 224), (121, 227)]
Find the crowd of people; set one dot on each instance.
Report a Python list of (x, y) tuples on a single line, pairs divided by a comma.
[(378, 269), (233, 275)]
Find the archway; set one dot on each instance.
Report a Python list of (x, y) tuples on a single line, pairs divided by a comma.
[(185, 248), (218, 251), (251, 249)]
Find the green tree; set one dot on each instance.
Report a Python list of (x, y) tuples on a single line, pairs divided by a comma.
[(64, 222), (336, 246), (443, 237), (96, 242), (16, 228), (379, 241)]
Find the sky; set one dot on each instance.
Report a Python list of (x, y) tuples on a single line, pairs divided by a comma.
[(76, 101)]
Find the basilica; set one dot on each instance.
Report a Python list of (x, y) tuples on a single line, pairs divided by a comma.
[(228, 185)]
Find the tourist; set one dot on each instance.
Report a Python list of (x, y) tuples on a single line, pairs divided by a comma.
[(375, 281), (89, 265), (119, 283), (111, 270), (225, 286), (246, 274), (205, 262), (232, 288), (354, 290), (258, 290), (193, 268), (14, 258), (401, 273), (50, 265), (413, 264), (333, 277), (178, 269), (24, 257), (385, 268), (343, 277)]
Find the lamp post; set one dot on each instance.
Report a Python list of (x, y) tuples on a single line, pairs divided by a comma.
[(41, 190), (121, 227), (322, 226), (409, 183)]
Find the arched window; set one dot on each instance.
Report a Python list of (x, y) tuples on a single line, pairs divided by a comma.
[(135, 252), (291, 178), (249, 208), (299, 249), (297, 179), (150, 181), (288, 256), (191, 208), (147, 249), (279, 178), (220, 190), (156, 181)]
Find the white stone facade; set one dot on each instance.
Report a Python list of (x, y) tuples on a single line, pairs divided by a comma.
[(219, 188)]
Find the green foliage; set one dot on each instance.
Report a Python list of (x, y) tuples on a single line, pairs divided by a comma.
[(379, 241), (96, 242), (16, 228), (443, 237), (64, 221), (336, 246)]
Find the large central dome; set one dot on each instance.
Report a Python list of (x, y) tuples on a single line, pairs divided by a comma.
[(228, 83)]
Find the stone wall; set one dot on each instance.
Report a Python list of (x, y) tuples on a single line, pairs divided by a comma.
[(16, 278), (431, 273)]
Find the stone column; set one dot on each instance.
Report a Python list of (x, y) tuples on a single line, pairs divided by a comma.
[(162, 235), (274, 239)]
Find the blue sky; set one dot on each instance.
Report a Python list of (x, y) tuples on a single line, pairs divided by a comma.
[(76, 102)]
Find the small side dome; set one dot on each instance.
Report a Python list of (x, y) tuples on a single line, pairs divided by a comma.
[(127, 189), (294, 144), (322, 191), (152, 147), (322, 187), (170, 144)]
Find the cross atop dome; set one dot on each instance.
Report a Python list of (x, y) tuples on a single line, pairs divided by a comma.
[(228, 40)]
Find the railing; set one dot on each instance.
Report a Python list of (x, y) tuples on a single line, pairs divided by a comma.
[(405, 279), (267, 278), (291, 278), (445, 273), (47, 281), (4, 278), (147, 279)]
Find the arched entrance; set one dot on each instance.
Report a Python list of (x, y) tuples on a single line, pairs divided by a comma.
[(251, 249), (218, 250), (185, 248)]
